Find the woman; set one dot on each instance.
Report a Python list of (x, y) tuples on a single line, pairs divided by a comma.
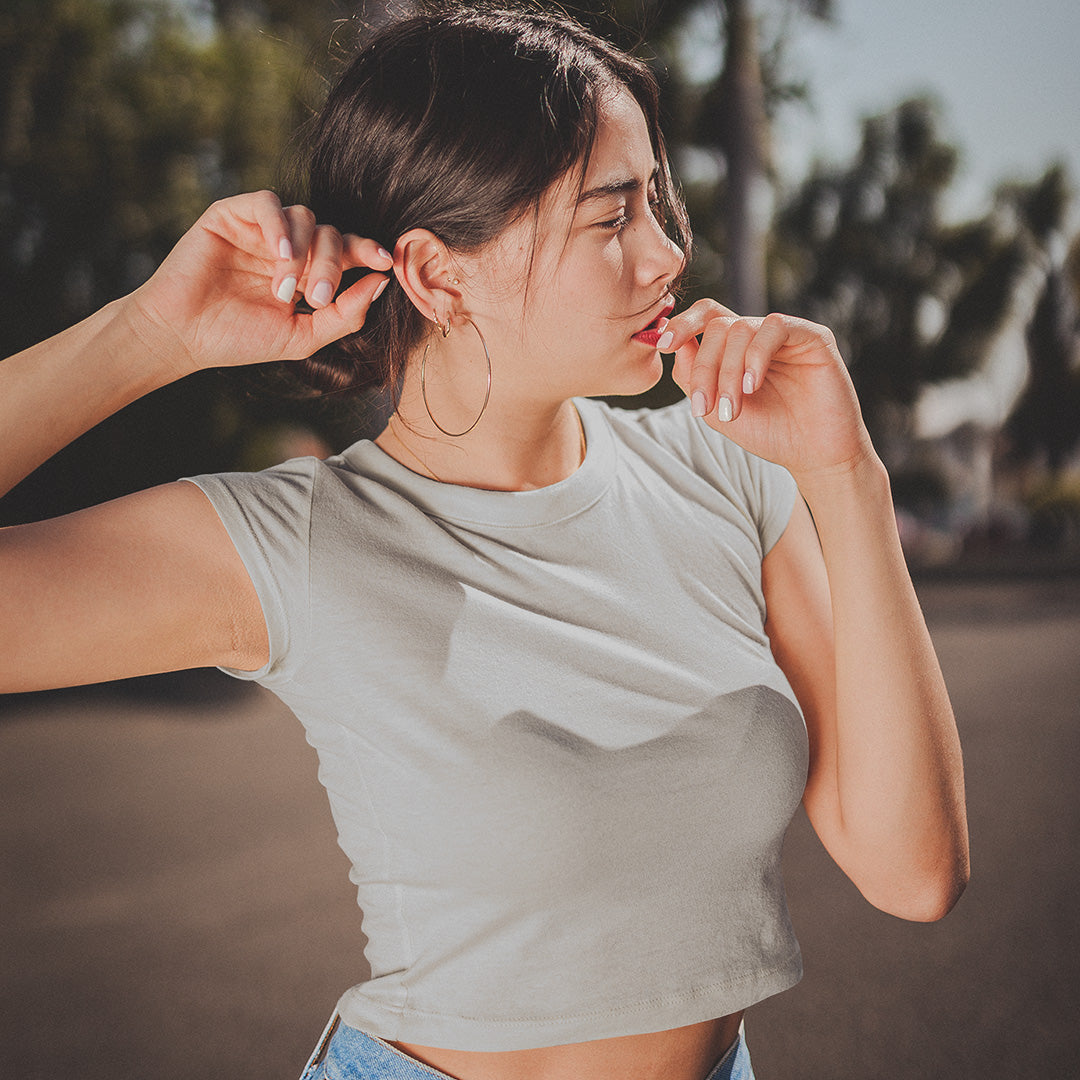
[(568, 670)]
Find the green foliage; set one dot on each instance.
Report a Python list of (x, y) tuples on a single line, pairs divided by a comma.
[(120, 120), (914, 302), (1046, 422), (857, 248)]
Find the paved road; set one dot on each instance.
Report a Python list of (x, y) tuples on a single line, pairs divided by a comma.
[(173, 905)]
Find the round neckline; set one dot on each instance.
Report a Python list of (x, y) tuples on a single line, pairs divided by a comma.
[(481, 506)]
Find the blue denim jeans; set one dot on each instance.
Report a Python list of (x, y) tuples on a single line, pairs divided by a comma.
[(344, 1053)]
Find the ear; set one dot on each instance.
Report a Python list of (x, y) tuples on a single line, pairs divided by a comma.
[(425, 270)]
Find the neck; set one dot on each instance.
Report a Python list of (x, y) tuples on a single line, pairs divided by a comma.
[(512, 448)]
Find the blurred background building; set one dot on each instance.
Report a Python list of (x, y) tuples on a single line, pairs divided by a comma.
[(952, 289)]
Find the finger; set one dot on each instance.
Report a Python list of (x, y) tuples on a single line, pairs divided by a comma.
[(323, 272), (771, 336), (684, 364), (705, 368), (264, 210), (692, 322), (359, 251), (730, 378), (348, 312), (301, 223)]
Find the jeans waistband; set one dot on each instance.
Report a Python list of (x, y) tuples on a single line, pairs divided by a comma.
[(345, 1053)]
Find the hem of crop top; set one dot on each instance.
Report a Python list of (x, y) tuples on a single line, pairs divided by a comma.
[(661, 1013)]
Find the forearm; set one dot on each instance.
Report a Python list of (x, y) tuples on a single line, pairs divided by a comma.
[(895, 753), (56, 390)]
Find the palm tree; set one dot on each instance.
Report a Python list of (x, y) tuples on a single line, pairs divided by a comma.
[(1046, 422), (731, 118), (734, 119)]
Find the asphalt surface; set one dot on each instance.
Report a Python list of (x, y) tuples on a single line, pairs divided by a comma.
[(173, 904)]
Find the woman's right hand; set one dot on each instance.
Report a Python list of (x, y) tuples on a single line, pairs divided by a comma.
[(226, 293)]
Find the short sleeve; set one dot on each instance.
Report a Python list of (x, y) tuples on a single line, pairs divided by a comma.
[(268, 518), (767, 490), (761, 490), (773, 498)]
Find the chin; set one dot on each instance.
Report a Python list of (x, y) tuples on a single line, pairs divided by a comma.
[(631, 378), (645, 376)]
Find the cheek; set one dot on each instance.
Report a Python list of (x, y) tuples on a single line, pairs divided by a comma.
[(597, 284), (610, 265)]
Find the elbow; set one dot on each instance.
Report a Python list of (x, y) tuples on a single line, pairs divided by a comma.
[(928, 899), (931, 905)]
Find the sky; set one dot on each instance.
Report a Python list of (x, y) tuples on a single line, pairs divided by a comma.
[(1006, 73)]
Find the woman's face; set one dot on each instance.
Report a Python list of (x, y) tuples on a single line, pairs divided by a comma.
[(601, 266)]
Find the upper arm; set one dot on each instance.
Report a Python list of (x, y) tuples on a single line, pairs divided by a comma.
[(800, 628), (147, 583)]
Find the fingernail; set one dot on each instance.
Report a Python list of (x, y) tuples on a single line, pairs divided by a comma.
[(723, 410), (287, 289), (284, 248), (699, 406), (664, 342), (379, 289), (386, 254), (322, 294), (748, 382)]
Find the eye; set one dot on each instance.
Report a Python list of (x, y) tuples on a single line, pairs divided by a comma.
[(616, 224)]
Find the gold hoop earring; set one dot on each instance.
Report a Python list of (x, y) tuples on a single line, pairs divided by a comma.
[(445, 329), (487, 392)]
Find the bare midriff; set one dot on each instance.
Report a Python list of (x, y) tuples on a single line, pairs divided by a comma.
[(684, 1053)]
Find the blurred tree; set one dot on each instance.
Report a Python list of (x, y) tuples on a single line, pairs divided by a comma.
[(1046, 423), (734, 119), (725, 119), (120, 120), (951, 333), (722, 76), (731, 120), (858, 249), (1014, 326)]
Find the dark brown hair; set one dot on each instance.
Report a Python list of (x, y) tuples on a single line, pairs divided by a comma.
[(458, 123)]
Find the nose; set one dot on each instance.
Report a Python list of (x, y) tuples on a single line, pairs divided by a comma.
[(662, 259)]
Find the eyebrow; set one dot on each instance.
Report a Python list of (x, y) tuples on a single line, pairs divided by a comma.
[(615, 187)]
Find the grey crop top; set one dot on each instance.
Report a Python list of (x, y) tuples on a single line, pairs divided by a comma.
[(559, 754)]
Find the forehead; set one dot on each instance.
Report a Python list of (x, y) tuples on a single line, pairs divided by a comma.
[(621, 153), (623, 147)]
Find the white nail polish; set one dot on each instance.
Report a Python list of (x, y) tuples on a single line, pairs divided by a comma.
[(698, 405), (723, 410), (379, 289), (284, 248), (322, 294), (748, 383), (665, 340), (287, 289)]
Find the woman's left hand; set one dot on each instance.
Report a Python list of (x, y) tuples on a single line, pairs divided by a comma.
[(776, 385)]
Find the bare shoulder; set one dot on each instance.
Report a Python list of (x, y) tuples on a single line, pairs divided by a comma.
[(150, 582)]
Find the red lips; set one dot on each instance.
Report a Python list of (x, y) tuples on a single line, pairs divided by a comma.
[(650, 335)]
